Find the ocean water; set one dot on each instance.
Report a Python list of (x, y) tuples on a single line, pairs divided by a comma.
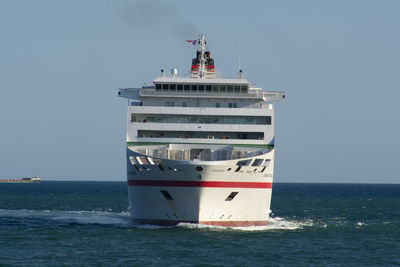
[(86, 224)]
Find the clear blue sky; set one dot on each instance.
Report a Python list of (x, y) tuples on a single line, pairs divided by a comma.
[(62, 62)]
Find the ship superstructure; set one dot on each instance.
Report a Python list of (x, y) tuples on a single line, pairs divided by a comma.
[(200, 149)]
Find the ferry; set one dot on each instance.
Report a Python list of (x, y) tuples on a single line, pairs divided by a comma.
[(200, 149), (35, 179)]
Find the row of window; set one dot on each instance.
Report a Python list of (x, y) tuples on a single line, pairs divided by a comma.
[(146, 162), (197, 104), (201, 135), (216, 88), (199, 119), (141, 160), (203, 154), (256, 163)]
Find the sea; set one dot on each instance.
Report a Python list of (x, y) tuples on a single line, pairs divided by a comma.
[(57, 223)]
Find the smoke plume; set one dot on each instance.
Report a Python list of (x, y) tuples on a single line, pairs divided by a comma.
[(158, 14)]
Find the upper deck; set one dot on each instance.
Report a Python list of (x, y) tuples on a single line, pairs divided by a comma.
[(201, 84), (201, 88), (200, 116)]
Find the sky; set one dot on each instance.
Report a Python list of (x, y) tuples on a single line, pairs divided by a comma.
[(61, 63)]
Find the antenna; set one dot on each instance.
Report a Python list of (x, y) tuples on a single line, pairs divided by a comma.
[(239, 60), (240, 71)]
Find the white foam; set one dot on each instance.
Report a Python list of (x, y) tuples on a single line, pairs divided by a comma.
[(278, 223), (95, 217), (275, 223), (359, 224)]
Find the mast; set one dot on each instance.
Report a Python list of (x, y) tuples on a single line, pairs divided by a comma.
[(202, 41)]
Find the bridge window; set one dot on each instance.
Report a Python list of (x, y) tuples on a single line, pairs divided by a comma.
[(243, 162), (223, 88), (257, 162), (266, 162), (201, 135)]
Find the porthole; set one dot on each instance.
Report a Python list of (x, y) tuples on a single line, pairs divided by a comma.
[(229, 169), (199, 168)]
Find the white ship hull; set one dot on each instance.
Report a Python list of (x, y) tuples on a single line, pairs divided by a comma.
[(200, 196)]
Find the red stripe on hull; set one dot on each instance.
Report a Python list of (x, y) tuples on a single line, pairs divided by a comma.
[(214, 223), (199, 184)]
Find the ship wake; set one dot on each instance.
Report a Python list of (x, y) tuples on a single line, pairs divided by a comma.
[(51, 218)]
